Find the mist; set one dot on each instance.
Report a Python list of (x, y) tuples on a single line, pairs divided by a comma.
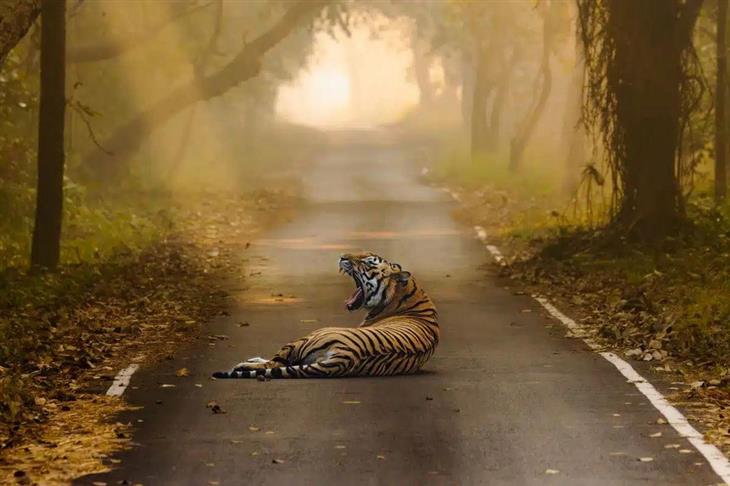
[(519, 207)]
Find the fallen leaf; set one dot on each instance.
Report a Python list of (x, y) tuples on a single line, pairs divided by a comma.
[(182, 372), (214, 407)]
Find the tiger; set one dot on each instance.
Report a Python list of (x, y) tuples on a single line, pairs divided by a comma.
[(398, 335)]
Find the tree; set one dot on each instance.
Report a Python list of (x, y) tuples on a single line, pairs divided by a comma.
[(574, 137), (720, 92), (543, 85), (45, 251), (641, 88), (245, 65), (494, 58), (16, 17), (109, 49)]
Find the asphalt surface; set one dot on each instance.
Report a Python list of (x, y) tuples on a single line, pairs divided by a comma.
[(507, 399)]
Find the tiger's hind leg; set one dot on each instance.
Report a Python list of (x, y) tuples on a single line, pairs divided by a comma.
[(283, 357), (331, 367)]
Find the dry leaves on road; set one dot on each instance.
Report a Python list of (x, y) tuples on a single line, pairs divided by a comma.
[(214, 407)]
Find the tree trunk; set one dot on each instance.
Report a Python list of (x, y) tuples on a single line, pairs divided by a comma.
[(650, 38), (573, 132), (482, 88), (518, 144), (720, 93), (500, 98), (421, 66), (45, 251), (127, 139), (16, 17), (467, 90)]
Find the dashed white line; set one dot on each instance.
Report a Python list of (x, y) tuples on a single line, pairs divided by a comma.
[(674, 417), (121, 381), (496, 254)]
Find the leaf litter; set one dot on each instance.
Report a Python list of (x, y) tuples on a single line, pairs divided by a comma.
[(89, 319)]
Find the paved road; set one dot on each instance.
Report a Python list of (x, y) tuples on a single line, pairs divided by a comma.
[(506, 397)]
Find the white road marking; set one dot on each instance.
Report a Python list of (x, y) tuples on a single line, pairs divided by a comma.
[(674, 417), (121, 381), (496, 254), (714, 456)]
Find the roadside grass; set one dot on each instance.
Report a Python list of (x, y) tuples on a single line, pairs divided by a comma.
[(668, 306), (133, 293), (679, 292)]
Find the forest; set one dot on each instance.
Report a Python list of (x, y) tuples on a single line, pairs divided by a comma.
[(178, 178)]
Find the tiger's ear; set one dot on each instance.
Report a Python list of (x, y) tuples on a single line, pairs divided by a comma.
[(402, 276)]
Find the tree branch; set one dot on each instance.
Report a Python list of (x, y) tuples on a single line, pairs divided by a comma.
[(245, 65), (116, 48)]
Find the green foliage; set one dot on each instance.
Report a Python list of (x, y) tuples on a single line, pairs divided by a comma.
[(529, 204), (18, 119)]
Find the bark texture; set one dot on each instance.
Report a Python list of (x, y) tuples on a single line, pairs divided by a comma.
[(45, 251), (16, 18), (650, 38)]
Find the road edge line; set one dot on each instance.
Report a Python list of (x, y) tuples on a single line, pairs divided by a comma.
[(121, 381), (714, 456)]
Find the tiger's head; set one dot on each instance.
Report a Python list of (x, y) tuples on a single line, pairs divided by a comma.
[(376, 279)]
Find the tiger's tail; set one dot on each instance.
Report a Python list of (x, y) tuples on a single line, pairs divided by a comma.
[(315, 370)]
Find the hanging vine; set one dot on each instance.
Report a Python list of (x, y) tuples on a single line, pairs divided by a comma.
[(614, 33)]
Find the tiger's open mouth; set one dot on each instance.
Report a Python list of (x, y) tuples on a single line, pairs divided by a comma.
[(358, 297), (356, 301)]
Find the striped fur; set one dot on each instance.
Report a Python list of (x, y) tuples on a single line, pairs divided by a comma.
[(398, 335)]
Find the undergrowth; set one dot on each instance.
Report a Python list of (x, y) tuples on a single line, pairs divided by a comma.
[(671, 298)]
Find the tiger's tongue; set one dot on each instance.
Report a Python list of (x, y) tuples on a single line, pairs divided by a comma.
[(355, 301)]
